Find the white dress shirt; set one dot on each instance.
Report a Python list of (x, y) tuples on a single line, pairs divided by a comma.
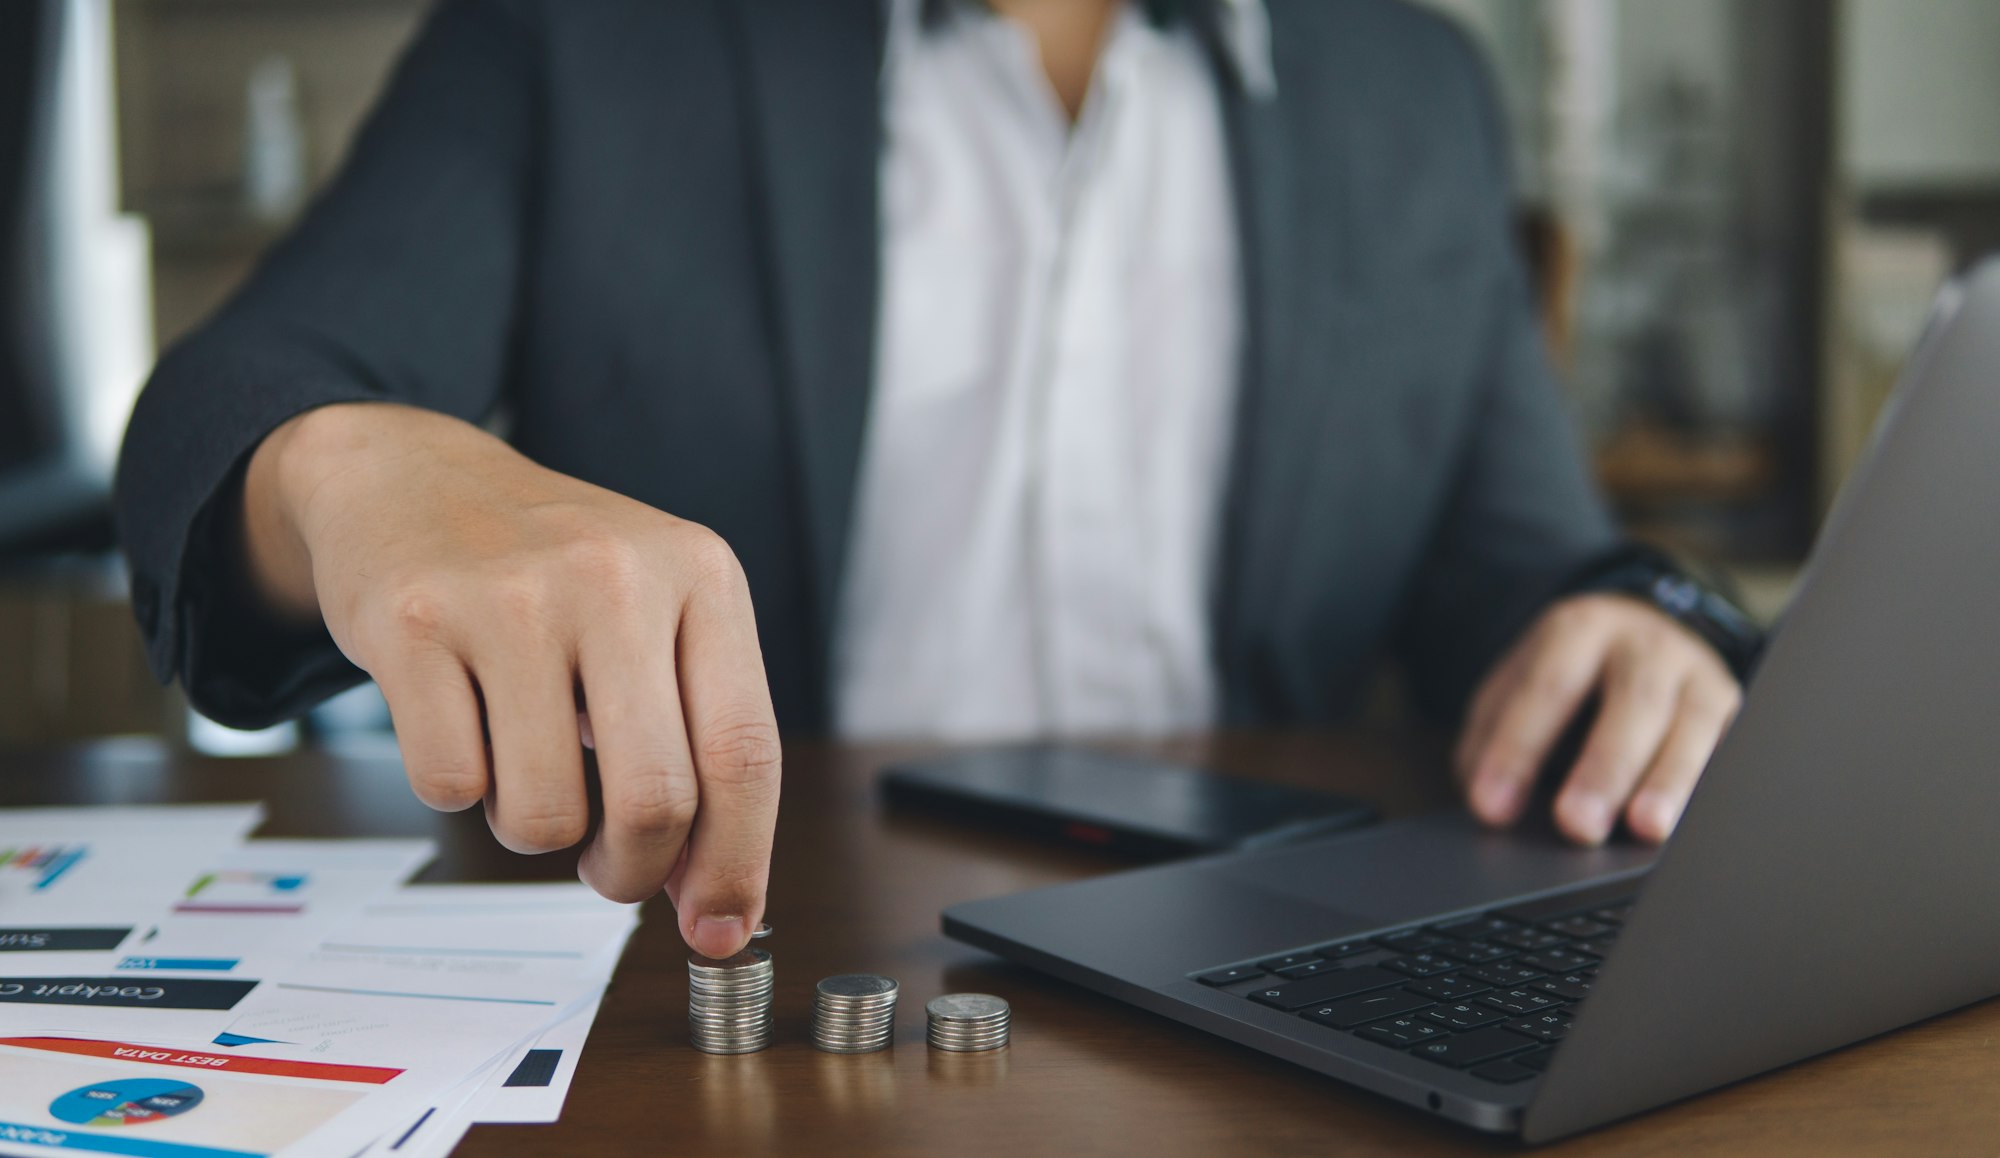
[(1056, 362)]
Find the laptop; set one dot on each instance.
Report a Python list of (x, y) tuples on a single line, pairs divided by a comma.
[(1835, 876)]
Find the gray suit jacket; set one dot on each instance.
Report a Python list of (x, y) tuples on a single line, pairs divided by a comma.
[(648, 228)]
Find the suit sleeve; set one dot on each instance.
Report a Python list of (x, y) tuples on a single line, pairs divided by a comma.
[(401, 284), (1522, 514)]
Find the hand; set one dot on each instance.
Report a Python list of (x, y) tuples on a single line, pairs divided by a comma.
[(496, 603), (1665, 699)]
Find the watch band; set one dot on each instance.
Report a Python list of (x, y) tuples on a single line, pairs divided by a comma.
[(1651, 575)]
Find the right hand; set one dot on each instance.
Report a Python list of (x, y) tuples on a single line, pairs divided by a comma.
[(513, 615)]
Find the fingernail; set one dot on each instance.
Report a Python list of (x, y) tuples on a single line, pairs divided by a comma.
[(1498, 800), (1659, 813), (719, 936), (1589, 817)]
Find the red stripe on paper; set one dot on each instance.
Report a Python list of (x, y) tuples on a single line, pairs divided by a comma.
[(221, 1063)]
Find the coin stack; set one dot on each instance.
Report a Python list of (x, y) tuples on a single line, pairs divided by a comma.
[(968, 1022), (729, 1002), (854, 1013)]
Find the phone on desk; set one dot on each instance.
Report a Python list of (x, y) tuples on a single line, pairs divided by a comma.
[(1129, 804)]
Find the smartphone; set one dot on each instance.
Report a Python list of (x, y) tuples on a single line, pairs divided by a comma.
[(1129, 804)]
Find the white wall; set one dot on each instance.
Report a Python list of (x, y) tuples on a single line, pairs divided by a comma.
[(1920, 92)]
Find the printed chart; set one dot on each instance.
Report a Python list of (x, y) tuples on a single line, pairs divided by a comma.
[(127, 1102)]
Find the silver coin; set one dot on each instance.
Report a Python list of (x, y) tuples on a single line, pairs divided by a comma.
[(974, 1007), (857, 985), (733, 1047), (748, 958), (729, 1002), (969, 1046), (980, 1035), (762, 932)]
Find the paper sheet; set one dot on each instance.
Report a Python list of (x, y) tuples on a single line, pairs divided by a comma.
[(68, 1095), (194, 996), (251, 910), (85, 879)]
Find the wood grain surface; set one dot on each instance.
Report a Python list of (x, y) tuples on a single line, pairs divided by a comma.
[(856, 888)]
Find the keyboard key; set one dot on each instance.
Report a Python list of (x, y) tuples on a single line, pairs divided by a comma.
[(1475, 928), (1365, 1008), (1399, 1031), (1412, 941), (1229, 976), (1559, 961), (1505, 1071), (1535, 1059), (1464, 1015), (1470, 1049), (1421, 965), (1517, 1001), (1613, 914), (1577, 927), (1448, 988), (1327, 987), (1344, 949), (1476, 952), (1506, 976), (1574, 901), (1287, 961), (1568, 987), (1530, 940), (1548, 1027), (1308, 969)]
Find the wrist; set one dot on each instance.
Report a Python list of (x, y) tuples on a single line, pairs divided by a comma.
[(286, 474), (1653, 578)]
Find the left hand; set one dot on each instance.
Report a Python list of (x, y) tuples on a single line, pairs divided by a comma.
[(1666, 698)]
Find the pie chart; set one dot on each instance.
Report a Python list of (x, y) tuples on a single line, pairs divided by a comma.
[(126, 1102)]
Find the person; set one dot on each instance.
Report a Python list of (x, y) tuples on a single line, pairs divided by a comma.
[(1027, 367)]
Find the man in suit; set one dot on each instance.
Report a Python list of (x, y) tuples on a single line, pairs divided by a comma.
[(1029, 367)]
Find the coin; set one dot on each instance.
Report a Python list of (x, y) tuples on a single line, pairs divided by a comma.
[(968, 1022), (854, 1013), (729, 1002)]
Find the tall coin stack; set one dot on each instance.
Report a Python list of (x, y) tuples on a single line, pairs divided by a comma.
[(968, 1022), (729, 1002), (854, 1013)]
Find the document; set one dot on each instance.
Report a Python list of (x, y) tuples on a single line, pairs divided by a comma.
[(69, 1095), (168, 989), (86, 879), (250, 910)]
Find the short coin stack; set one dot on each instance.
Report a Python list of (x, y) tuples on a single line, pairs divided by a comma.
[(968, 1022), (729, 1002), (854, 1013)]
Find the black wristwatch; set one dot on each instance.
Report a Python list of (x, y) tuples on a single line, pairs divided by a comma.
[(1651, 575)]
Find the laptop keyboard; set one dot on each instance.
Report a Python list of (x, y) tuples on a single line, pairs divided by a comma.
[(1490, 993)]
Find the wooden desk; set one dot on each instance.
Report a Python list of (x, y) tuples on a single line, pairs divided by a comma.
[(856, 889)]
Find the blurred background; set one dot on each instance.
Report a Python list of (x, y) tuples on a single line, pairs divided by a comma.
[(1737, 212)]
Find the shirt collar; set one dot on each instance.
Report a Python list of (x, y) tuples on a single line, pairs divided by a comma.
[(1242, 27)]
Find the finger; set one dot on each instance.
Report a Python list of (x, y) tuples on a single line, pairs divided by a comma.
[(675, 878), (1664, 791), (1493, 691), (734, 739), (1555, 683), (1639, 701), (644, 770), (435, 712), (538, 802)]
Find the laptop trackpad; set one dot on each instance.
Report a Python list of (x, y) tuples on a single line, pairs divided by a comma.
[(1410, 869)]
